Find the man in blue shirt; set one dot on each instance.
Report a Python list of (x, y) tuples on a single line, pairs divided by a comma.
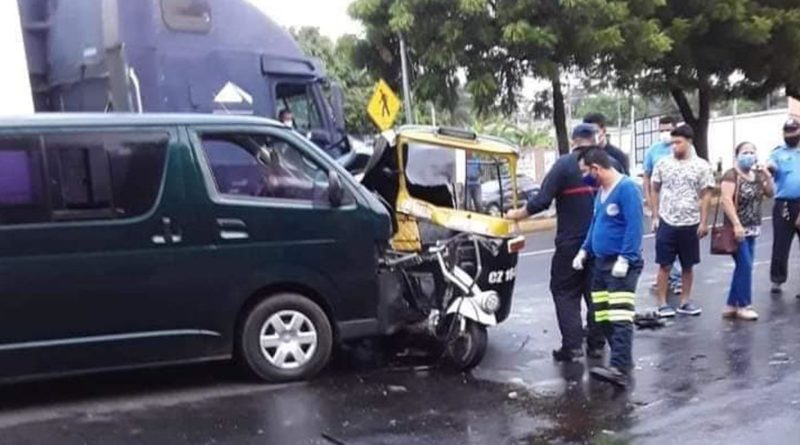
[(574, 195), (474, 200), (785, 166), (654, 154), (614, 242)]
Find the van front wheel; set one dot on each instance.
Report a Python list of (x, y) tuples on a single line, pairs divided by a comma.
[(285, 337)]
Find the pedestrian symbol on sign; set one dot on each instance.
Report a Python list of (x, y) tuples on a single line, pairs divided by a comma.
[(384, 106)]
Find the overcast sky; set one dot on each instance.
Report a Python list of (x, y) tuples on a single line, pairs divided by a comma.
[(330, 16)]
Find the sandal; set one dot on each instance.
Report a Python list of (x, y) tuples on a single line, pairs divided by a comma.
[(747, 314), (729, 312)]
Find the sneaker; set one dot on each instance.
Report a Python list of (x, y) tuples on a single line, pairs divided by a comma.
[(611, 375), (689, 309), (677, 289), (666, 311), (567, 355), (777, 288), (747, 314)]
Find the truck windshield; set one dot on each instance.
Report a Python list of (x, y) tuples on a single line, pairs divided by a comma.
[(299, 99)]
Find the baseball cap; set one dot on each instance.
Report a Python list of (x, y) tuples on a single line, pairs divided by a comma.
[(791, 126), (584, 131)]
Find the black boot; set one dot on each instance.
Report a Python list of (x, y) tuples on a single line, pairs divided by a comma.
[(594, 352), (567, 355), (611, 375)]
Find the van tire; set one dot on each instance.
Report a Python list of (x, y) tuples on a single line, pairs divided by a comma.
[(298, 339)]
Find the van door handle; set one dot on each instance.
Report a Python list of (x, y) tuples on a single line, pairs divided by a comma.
[(232, 229), (168, 235)]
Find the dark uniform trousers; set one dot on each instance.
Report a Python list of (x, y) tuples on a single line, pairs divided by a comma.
[(569, 287), (614, 309), (784, 215)]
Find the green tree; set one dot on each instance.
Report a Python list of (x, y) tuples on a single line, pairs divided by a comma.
[(499, 42), (714, 41), (339, 59)]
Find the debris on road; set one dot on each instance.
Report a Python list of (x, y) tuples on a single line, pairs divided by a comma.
[(397, 389)]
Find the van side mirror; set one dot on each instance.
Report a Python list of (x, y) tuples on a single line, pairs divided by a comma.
[(335, 189)]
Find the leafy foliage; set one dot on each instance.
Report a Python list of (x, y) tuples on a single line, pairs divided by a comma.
[(339, 61)]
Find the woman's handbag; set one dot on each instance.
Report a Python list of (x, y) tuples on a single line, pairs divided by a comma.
[(723, 238)]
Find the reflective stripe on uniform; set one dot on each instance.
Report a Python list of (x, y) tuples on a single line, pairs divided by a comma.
[(621, 297), (620, 315), (600, 297), (601, 316)]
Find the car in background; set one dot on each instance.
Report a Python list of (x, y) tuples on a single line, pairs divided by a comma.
[(491, 196)]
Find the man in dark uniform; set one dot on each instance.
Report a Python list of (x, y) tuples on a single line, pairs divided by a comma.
[(599, 122), (574, 207)]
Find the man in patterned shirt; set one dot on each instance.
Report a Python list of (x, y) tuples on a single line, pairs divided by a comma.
[(681, 190)]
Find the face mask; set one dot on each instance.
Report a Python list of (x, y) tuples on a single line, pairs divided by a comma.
[(664, 136), (589, 180), (792, 141), (289, 123), (746, 161)]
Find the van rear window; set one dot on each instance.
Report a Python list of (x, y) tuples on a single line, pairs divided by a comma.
[(22, 186), (80, 176), (16, 186), (187, 15)]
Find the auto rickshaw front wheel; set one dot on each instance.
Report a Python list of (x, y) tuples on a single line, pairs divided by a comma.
[(464, 349)]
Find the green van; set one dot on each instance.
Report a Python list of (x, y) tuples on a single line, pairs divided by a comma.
[(133, 240)]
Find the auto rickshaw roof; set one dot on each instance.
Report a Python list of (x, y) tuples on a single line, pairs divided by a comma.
[(458, 139)]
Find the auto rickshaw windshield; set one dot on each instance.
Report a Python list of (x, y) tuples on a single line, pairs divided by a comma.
[(438, 175)]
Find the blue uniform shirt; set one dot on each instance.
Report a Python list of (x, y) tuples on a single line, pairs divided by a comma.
[(655, 153), (473, 172), (787, 172), (617, 225)]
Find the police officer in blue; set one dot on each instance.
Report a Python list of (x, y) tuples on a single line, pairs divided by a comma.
[(574, 196), (784, 163)]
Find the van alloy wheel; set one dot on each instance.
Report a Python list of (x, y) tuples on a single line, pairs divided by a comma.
[(284, 337), (288, 339)]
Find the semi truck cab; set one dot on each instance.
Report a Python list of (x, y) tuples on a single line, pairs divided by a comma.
[(197, 56)]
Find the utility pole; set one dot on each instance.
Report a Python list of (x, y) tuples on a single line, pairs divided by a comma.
[(406, 87)]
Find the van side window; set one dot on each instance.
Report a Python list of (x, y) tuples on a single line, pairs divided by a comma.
[(23, 197), (260, 166), (104, 175)]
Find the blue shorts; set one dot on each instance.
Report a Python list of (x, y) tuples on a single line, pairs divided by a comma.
[(677, 242)]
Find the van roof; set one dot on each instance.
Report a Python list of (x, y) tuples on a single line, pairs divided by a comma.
[(128, 119)]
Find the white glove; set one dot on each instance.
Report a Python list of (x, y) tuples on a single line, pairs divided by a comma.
[(580, 258), (620, 269)]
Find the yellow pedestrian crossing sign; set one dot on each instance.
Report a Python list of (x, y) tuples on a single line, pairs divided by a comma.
[(384, 106)]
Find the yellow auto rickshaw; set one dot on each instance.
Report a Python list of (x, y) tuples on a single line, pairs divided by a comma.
[(450, 271)]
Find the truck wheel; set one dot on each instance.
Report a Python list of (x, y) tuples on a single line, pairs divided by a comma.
[(466, 349), (285, 337)]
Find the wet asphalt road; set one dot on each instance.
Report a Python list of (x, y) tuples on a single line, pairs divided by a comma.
[(698, 381)]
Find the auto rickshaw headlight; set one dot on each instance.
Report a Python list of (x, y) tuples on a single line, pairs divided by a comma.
[(490, 302)]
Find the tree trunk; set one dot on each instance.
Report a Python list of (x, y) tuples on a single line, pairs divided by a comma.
[(560, 115), (699, 122)]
